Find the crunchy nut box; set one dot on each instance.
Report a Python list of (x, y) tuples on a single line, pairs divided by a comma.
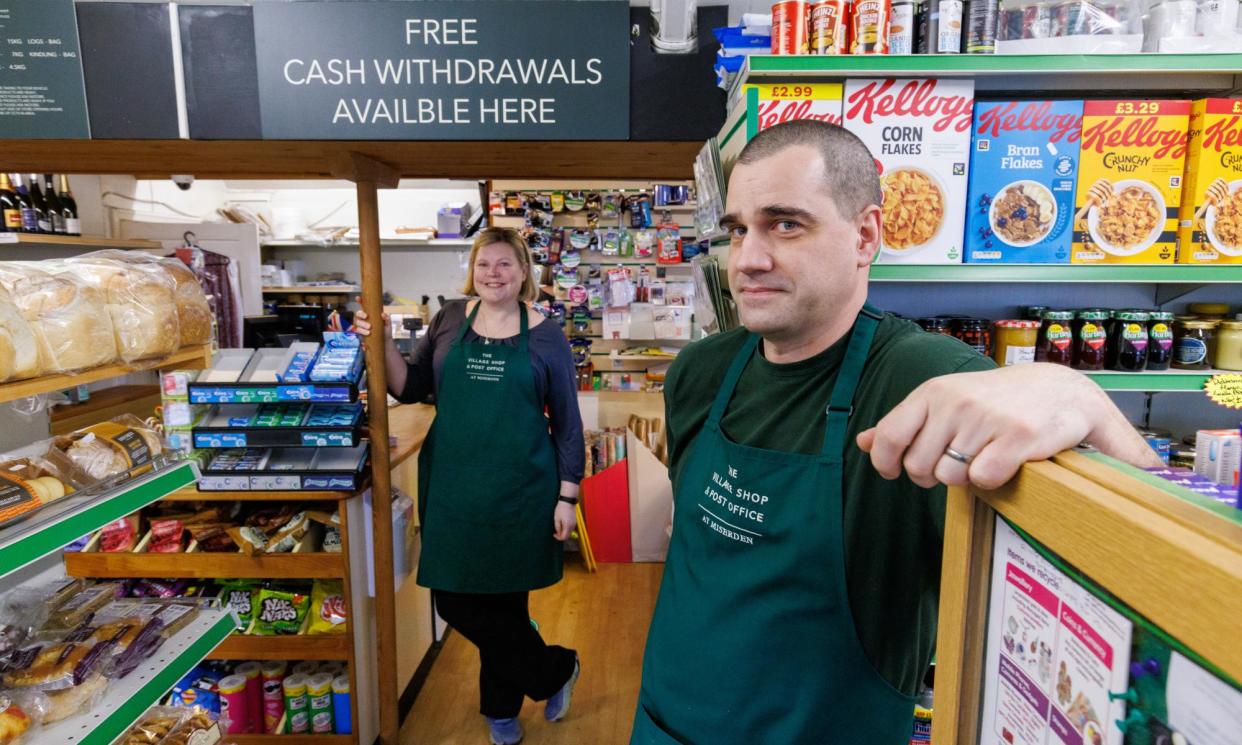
[(1130, 171), (1210, 221), (918, 129)]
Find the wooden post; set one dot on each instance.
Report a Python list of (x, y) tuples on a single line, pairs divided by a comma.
[(370, 175)]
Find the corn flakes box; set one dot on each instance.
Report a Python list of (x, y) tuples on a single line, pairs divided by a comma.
[(1023, 171), (1130, 167), (786, 103), (1210, 222), (918, 130)]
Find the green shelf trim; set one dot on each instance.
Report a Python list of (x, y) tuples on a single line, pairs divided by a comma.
[(127, 712), (32, 545), (1151, 381), (993, 64), (1232, 514), (1117, 273)]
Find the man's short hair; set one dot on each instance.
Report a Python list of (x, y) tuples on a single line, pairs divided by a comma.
[(852, 178)]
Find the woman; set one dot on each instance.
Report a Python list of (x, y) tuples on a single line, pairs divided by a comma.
[(498, 479)]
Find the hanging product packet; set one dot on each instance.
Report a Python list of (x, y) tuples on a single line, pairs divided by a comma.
[(627, 243), (620, 288), (557, 201), (644, 243), (610, 242), (668, 239), (611, 207), (574, 201)]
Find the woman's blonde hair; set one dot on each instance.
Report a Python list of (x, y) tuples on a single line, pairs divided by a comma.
[(521, 251)]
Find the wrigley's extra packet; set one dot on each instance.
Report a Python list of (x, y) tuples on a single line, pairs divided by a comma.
[(918, 131), (1130, 172), (1023, 170)]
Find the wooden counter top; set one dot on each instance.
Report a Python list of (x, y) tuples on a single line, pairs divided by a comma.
[(409, 423)]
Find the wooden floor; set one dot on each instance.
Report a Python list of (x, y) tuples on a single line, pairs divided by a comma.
[(604, 616)]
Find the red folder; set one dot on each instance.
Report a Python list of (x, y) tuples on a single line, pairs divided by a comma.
[(606, 504)]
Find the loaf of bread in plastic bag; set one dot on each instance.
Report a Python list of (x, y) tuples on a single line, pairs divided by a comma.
[(140, 300), (193, 311), (19, 353), (68, 318)]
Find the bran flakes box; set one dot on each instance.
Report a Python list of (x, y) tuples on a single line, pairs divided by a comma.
[(1023, 170), (918, 131), (1130, 169), (1210, 220)]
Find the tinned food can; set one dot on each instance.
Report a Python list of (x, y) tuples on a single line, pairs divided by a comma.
[(830, 27), (982, 17), (901, 28), (869, 32), (789, 31)]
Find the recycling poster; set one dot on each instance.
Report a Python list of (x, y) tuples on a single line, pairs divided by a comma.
[(1054, 653)]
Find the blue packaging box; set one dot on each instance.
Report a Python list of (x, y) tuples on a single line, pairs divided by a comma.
[(1023, 173)]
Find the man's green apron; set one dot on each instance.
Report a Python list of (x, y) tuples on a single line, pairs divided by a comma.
[(752, 639), (487, 474)]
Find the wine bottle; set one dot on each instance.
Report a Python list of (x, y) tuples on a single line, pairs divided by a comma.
[(40, 205), (55, 209), (10, 210), (73, 226), (30, 221)]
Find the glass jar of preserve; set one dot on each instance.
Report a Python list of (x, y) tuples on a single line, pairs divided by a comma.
[(936, 325), (1056, 338), (1160, 340), (1191, 340), (1127, 341), (1015, 342), (1209, 311), (974, 332), (1090, 339), (1228, 352), (1032, 312)]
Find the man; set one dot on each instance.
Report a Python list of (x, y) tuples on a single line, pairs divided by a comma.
[(800, 593)]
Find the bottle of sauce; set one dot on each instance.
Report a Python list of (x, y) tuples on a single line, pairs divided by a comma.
[(1127, 341), (1056, 338), (1090, 340), (1160, 340)]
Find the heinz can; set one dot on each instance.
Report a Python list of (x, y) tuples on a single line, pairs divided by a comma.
[(901, 28), (869, 34), (789, 27), (830, 27)]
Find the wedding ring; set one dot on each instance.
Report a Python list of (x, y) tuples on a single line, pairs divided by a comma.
[(959, 457)]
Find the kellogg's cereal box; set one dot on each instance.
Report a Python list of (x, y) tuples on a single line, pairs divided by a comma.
[(785, 103), (1023, 169), (918, 130), (1210, 221), (1130, 171)]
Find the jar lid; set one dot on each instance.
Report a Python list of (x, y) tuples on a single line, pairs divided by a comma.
[(1161, 315), (1015, 324), (1131, 315), (1093, 315), (1058, 315), (1186, 317), (1199, 325), (1209, 309), (1231, 325)]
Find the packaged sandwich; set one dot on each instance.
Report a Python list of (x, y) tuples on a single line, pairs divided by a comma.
[(19, 353), (68, 318), (198, 725), (140, 299), (121, 445), (21, 710), (27, 484), (78, 609), (155, 725)]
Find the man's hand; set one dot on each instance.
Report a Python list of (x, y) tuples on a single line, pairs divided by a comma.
[(1001, 419)]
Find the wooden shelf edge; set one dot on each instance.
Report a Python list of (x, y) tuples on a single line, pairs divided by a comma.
[(86, 241), (192, 494), (205, 566), (304, 647), (188, 358)]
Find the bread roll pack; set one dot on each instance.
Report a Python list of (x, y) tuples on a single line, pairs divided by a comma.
[(193, 311), (120, 445), (67, 317), (27, 484), (140, 300), (19, 353)]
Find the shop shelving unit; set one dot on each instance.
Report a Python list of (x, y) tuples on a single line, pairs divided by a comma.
[(385, 244), (78, 241), (237, 646), (40, 538), (188, 358)]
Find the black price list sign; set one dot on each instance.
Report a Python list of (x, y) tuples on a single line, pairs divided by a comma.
[(42, 93)]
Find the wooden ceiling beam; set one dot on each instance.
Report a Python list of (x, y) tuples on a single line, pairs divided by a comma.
[(294, 159)]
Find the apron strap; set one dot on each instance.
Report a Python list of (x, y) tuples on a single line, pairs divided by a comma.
[(731, 378), (841, 401), (523, 324)]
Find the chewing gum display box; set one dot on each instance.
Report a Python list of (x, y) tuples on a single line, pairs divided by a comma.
[(1210, 221), (1130, 167), (1023, 170), (918, 130)]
